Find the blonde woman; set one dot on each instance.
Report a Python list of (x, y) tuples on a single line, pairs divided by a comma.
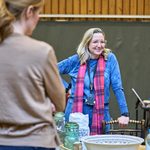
[(30, 84), (92, 71)]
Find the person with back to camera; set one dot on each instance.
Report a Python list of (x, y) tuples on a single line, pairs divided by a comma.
[(30, 84), (92, 71)]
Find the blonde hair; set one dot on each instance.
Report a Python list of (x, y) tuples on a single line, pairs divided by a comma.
[(82, 49), (11, 10)]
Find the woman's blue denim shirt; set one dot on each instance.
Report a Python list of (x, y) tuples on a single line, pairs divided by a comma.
[(112, 77)]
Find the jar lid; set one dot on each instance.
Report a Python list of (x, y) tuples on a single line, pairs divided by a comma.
[(71, 125), (146, 101), (59, 114)]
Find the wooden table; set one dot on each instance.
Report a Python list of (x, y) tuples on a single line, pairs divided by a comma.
[(141, 147)]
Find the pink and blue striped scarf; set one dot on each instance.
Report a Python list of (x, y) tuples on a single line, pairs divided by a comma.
[(98, 108)]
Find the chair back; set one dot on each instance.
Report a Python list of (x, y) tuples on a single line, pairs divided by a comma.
[(135, 127)]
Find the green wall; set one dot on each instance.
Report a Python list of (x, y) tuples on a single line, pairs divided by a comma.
[(130, 41)]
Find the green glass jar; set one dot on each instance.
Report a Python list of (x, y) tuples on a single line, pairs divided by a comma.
[(60, 125), (72, 134)]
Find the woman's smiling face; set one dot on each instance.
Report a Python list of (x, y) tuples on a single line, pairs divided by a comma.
[(96, 45)]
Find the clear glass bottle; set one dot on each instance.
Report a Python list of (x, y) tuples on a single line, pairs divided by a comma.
[(60, 125), (147, 142), (72, 134)]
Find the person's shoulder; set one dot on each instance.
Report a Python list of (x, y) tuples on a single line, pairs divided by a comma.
[(40, 44), (74, 57), (111, 55), (73, 60)]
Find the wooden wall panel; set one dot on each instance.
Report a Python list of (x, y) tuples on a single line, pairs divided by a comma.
[(126, 7), (133, 7), (47, 7), (119, 7), (91, 8), (140, 7), (147, 7), (97, 7), (76, 6), (69, 6), (55, 6), (112, 7), (105, 7), (62, 7), (83, 6)]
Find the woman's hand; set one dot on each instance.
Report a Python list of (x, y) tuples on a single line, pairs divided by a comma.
[(123, 121)]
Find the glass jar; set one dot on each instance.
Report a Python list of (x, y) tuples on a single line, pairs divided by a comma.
[(60, 125), (72, 134)]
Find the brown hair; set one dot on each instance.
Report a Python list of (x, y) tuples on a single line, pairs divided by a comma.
[(10, 11)]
